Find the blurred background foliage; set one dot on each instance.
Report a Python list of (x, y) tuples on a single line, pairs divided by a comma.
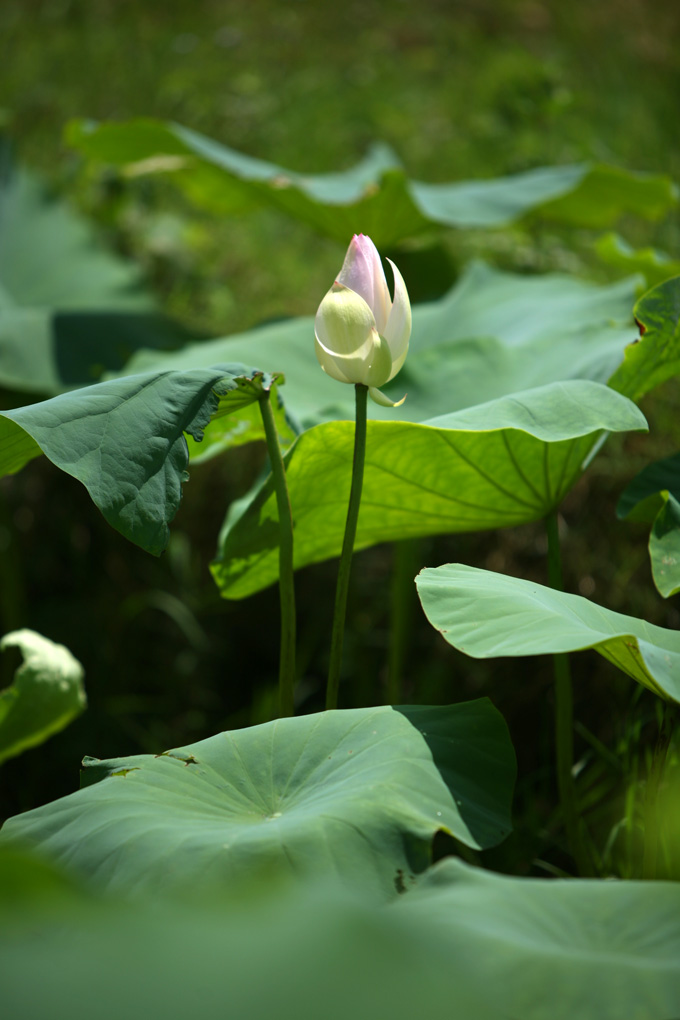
[(460, 90)]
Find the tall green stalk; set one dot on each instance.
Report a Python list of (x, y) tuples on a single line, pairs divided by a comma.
[(564, 720), (286, 579), (347, 547), (654, 781)]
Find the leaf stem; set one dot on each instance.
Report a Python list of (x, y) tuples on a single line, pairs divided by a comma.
[(564, 720), (286, 580), (347, 547)]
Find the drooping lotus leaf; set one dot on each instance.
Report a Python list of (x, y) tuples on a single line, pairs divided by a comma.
[(375, 197), (654, 497), (69, 309), (495, 465), (124, 439), (353, 795), (485, 615), (46, 695)]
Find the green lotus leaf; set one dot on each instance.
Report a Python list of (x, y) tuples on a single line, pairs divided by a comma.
[(654, 496), (375, 197), (352, 795), (124, 439), (536, 949), (47, 693), (486, 615), (495, 465), (463, 943), (655, 357), (493, 334)]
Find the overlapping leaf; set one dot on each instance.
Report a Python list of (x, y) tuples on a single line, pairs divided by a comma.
[(654, 497), (68, 308), (124, 439), (46, 695), (494, 465), (656, 356), (375, 197), (597, 950), (356, 795), (493, 334), (485, 615)]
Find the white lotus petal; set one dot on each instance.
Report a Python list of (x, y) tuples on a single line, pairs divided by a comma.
[(396, 365), (379, 398), (362, 271), (358, 366), (378, 370), (344, 323), (328, 363), (398, 329)]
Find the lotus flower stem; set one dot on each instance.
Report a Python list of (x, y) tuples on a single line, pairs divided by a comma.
[(286, 578), (564, 720), (347, 547)]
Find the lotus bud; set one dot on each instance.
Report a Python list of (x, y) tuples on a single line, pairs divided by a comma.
[(361, 334)]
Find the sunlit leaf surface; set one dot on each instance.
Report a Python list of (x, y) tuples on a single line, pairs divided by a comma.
[(485, 615), (495, 465), (493, 334)]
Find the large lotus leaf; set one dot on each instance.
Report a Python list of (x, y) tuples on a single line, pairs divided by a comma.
[(356, 795), (654, 496), (541, 950), (464, 944), (46, 695), (493, 334), (69, 309), (495, 465), (486, 615), (655, 357), (655, 266), (124, 439), (374, 197)]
